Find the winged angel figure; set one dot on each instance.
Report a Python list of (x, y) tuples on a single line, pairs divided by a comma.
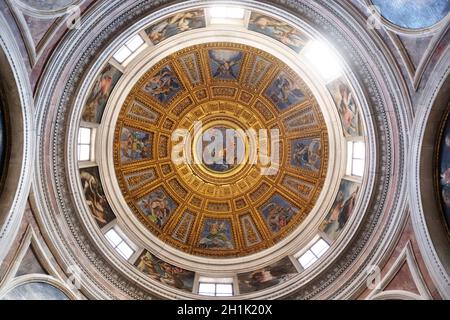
[(225, 63)]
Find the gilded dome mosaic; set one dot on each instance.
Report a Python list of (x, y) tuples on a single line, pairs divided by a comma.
[(261, 180)]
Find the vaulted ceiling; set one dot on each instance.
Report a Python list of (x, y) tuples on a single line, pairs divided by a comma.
[(118, 110)]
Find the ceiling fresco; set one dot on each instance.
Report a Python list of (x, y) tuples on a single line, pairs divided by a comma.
[(220, 208), (201, 149), (170, 150), (239, 106)]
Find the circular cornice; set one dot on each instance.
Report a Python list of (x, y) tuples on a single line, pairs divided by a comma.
[(376, 17), (432, 237), (374, 205), (38, 278), (34, 8), (292, 242), (237, 116), (23, 135)]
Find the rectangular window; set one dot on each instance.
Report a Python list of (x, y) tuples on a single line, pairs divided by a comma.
[(207, 289), (356, 158), (307, 259), (84, 144), (323, 59), (215, 287), (134, 43), (313, 254), (119, 244), (122, 54), (130, 47), (226, 15), (224, 289), (319, 248)]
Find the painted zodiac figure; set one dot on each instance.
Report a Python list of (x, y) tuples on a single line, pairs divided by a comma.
[(216, 236), (284, 89), (278, 216), (225, 64), (157, 208), (284, 92), (164, 85), (135, 145), (307, 155)]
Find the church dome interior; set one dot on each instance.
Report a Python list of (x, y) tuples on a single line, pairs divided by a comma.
[(207, 149)]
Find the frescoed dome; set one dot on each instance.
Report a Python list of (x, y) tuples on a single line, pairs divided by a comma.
[(210, 205), (250, 150), (221, 151)]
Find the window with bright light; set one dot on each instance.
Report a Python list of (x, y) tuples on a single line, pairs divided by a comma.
[(84, 144), (215, 287), (130, 47), (119, 244), (226, 15), (313, 254), (307, 259), (355, 158), (323, 59), (319, 248)]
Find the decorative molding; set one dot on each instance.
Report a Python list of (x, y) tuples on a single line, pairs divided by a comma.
[(425, 62), (405, 256), (392, 27), (53, 9), (418, 156), (384, 111), (35, 49), (396, 295), (10, 226), (11, 281), (384, 117)]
